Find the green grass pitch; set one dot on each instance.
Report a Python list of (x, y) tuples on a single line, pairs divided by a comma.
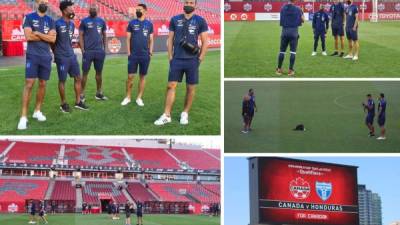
[(103, 219), (109, 117), (251, 50), (331, 112)]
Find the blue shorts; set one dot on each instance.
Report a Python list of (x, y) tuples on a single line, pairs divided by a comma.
[(351, 34), (289, 38), (337, 31), (141, 62), (381, 121), (67, 65), (189, 67), (369, 119), (37, 67), (139, 214), (97, 57)]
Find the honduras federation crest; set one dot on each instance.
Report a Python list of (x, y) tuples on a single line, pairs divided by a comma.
[(324, 190)]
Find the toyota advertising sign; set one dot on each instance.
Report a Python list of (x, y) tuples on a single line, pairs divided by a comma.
[(290, 191)]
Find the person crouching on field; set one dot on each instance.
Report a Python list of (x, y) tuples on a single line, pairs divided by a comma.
[(320, 25)]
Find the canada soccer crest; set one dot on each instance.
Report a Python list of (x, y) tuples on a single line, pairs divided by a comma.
[(114, 45), (397, 6), (12, 208), (227, 7), (324, 190), (309, 6), (247, 7), (268, 7), (299, 188), (381, 6)]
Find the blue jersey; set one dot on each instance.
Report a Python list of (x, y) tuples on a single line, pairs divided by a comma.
[(139, 207), (193, 28), (93, 29), (252, 103), (140, 36), (337, 13), (351, 15), (320, 21), (382, 107), (290, 16), (33, 207), (65, 31), (42, 24), (371, 107)]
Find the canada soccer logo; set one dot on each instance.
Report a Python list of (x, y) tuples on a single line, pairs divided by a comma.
[(247, 7), (381, 6), (12, 208), (268, 7), (227, 7), (397, 7), (299, 188), (114, 45), (309, 6)]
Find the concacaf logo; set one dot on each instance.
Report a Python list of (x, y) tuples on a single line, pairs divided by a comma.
[(299, 188)]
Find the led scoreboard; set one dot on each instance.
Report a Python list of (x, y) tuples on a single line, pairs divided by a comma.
[(289, 191)]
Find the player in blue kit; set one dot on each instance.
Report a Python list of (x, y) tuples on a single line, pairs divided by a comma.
[(92, 40), (40, 33), (252, 106), (65, 58), (382, 115), (320, 25), (185, 57), (140, 44), (369, 106), (291, 17), (352, 30), (338, 17), (139, 213)]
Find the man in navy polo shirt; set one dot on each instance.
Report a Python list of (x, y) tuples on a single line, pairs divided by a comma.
[(185, 57), (352, 30), (291, 17), (337, 14), (382, 115), (139, 43), (40, 33), (369, 106), (320, 25), (65, 58), (92, 40)]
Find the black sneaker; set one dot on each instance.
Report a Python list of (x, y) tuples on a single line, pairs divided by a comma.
[(83, 98), (371, 135), (100, 96), (341, 55), (65, 108), (335, 53), (81, 106)]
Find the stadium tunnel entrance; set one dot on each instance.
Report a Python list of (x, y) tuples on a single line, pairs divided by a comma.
[(104, 204)]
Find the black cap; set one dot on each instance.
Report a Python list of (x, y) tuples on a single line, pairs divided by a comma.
[(64, 4)]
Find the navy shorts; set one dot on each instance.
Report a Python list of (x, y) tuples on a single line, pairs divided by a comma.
[(289, 40), (337, 31), (141, 62), (97, 57), (369, 119), (351, 34), (38, 67), (67, 65), (139, 214), (189, 67), (33, 213), (246, 118), (381, 121)]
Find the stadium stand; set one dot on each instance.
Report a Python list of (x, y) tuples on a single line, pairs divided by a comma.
[(214, 152), (140, 193), (63, 190), (196, 159), (152, 158), (215, 188), (24, 152), (92, 189), (4, 145), (21, 189)]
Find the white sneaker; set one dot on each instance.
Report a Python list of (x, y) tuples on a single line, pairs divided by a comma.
[(313, 53), (381, 138), (355, 58), (39, 116), (139, 102), (164, 119), (184, 118), (348, 57), (126, 101), (22, 124), (324, 53)]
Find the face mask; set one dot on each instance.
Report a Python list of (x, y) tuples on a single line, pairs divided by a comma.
[(42, 8), (71, 15), (93, 13), (139, 14), (188, 9)]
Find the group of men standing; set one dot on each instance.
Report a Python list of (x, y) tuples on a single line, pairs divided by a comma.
[(344, 20), (43, 34)]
